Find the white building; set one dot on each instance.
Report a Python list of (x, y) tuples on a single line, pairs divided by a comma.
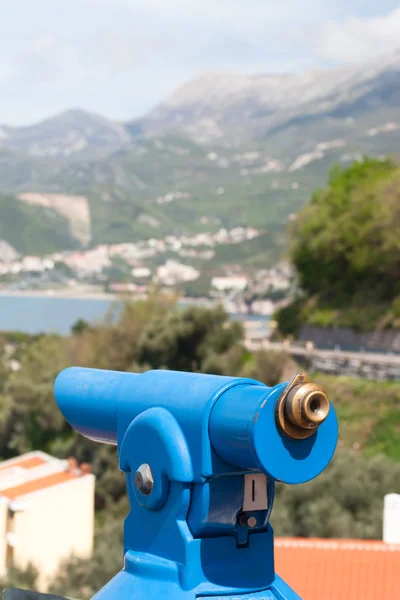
[(391, 519), (234, 282), (141, 272), (173, 272), (263, 307), (46, 513)]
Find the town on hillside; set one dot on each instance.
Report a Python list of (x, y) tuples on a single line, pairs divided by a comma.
[(173, 263)]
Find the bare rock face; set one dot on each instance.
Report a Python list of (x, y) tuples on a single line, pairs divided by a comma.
[(7, 252), (74, 208)]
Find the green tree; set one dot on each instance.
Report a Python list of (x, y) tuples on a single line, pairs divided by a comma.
[(79, 326), (81, 579), (270, 367), (195, 339), (20, 578), (114, 344), (345, 501), (31, 420), (347, 237)]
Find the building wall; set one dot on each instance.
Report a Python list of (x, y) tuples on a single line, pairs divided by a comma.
[(349, 340), (3, 535), (57, 522)]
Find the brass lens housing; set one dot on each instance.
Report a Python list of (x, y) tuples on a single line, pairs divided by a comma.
[(302, 408)]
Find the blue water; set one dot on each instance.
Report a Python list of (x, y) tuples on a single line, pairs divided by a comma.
[(34, 314), (37, 314)]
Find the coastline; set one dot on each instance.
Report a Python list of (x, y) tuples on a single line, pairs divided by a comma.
[(67, 294), (35, 311), (93, 295)]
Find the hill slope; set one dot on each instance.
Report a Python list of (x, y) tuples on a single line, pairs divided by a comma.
[(33, 229), (368, 413)]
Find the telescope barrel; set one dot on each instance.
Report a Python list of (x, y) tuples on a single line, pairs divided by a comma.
[(88, 399), (245, 432), (248, 425), (232, 423)]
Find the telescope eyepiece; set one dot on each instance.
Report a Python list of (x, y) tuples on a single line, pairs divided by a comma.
[(302, 408)]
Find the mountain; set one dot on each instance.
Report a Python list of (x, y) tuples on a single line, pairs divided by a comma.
[(223, 150), (218, 106), (227, 108), (67, 135)]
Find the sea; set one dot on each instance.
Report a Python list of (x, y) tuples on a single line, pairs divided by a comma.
[(53, 314)]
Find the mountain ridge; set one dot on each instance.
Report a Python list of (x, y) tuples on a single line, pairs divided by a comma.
[(251, 157), (265, 100), (221, 95), (65, 134)]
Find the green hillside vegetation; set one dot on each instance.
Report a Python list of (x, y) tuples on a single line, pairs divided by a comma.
[(123, 187), (33, 229), (259, 252), (346, 501), (18, 170), (368, 412), (345, 246), (124, 181)]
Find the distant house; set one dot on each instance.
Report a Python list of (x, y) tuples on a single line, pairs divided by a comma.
[(338, 569), (141, 272), (46, 513), (173, 272), (234, 282)]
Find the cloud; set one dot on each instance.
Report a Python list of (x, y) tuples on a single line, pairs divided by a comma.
[(121, 57), (37, 60), (119, 52), (43, 59), (357, 39), (43, 44)]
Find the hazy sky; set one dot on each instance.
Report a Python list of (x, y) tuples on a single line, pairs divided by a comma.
[(121, 57)]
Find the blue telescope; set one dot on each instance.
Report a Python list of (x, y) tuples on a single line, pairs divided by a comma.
[(201, 454)]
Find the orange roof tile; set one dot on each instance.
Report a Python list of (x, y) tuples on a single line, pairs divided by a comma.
[(339, 569), (38, 484), (25, 463)]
